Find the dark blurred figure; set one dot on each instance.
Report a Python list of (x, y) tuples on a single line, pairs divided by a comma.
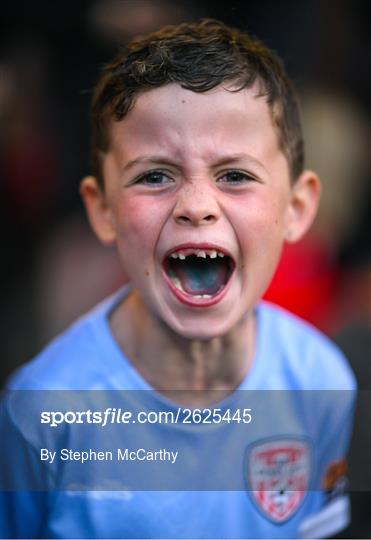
[(29, 173), (355, 341), (29, 168)]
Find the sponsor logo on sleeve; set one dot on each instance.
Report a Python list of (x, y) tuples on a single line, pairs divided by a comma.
[(335, 481)]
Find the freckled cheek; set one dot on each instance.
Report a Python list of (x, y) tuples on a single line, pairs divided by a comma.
[(260, 242), (255, 223), (139, 226)]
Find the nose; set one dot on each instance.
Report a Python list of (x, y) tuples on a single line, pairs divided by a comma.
[(196, 205)]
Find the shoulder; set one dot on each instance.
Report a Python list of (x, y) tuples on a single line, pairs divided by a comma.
[(76, 359), (61, 364), (308, 358)]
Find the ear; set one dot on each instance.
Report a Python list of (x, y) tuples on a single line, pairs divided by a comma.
[(305, 196), (98, 210)]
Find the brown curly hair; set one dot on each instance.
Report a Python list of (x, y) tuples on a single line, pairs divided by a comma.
[(198, 56)]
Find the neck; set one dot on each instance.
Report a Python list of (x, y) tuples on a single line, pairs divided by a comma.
[(168, 361)]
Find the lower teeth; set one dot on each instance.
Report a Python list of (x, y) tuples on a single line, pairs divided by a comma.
[(177, 283)]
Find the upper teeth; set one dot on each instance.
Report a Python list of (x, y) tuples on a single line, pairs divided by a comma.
[(182, 254)]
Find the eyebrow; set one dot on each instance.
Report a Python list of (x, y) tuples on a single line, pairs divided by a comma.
[(147, 159), (225, 160), (238, 157)]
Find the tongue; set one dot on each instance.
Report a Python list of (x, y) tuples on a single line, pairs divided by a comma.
[(201, 277)]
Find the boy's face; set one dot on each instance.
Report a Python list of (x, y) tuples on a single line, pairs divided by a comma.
[(192, 175)]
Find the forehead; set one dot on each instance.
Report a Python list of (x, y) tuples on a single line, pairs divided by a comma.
[(181, 122)]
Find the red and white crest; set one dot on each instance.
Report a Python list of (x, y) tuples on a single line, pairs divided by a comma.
[(278, 474)]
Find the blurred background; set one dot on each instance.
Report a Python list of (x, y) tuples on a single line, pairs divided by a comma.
[(53, 269)]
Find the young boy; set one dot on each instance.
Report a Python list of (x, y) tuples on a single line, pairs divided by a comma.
[(198, 181)]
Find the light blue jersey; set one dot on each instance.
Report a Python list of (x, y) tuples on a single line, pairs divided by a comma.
[(280, 475)]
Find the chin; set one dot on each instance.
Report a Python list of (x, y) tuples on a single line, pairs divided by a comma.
[(198, 329)]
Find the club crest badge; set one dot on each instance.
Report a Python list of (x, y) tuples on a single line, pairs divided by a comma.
[(278, 473)]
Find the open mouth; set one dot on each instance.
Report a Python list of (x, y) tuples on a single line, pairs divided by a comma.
[(201, 273)]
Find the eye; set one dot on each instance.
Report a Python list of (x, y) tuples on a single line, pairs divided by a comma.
[(235, 177), (154, 179)]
